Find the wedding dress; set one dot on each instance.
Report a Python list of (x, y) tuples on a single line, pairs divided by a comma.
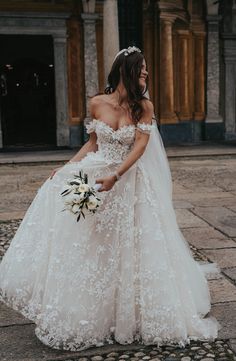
[(122, 274)]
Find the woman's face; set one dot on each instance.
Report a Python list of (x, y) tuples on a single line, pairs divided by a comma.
[(143, 75)]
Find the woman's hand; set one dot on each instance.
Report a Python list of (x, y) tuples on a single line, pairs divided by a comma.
[(54, 172), (107, 183)]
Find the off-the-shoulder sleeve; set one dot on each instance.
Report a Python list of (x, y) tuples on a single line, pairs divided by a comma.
[(90, 127), (144, 127)]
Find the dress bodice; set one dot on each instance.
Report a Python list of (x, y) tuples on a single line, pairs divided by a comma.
[(114, 145)]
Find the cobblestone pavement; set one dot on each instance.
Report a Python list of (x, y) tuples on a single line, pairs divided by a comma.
[(204, 196), (219, 351)]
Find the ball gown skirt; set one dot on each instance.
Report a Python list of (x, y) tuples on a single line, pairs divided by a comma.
[(119, 275)]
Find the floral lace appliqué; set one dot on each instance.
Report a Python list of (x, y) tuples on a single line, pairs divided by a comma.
[(113, 145)]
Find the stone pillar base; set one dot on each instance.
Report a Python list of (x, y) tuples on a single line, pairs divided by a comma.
[(214, 131), (230, 136), (168, 118), (214, 119), (189, 132), (77, 135), (62, 136)]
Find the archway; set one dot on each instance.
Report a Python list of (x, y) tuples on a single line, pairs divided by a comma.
[(27, 105)]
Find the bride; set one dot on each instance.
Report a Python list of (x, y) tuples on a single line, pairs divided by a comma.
[(125, 273)]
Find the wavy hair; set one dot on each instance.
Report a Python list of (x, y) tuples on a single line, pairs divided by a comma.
[(129, 69)]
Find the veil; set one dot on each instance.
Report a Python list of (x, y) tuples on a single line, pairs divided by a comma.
[(154, 163), (155, 158)]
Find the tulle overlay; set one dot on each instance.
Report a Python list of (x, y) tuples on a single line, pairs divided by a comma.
[(122, 274)]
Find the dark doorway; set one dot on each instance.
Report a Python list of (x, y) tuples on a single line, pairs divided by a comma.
[(27, 101), (130, 23)]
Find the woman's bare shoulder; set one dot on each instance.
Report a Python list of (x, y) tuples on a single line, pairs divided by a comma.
[(147, 105), (98, 99)]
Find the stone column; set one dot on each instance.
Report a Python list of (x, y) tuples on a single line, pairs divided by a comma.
[(229, 51), (60, 61), (199, 75), (90, 58), (213, 71), (183, 75), (167, 113), (230, 85), (1, 135), (110, 34), (214, 120)]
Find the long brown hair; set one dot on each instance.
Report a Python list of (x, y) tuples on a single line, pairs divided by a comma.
[(129, 68)]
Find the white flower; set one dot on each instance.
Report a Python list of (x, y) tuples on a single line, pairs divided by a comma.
[(79, 197), (75, 208), (72, 199), (83, 322), (92, 202), (83, 188), (70, 188), (74, 187)]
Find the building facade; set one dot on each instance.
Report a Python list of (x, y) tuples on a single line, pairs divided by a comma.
[(55, 54)]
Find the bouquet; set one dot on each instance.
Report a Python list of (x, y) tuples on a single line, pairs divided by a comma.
[(80, 198)]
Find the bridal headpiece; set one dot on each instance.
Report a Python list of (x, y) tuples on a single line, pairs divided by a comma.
[(128, 51)]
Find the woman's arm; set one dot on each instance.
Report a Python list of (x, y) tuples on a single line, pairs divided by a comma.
[(140, 143)]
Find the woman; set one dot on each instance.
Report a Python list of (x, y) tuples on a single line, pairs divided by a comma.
[(124, 273)]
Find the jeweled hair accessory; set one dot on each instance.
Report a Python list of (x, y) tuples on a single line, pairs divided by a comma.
[(131, 49), (128, 51)]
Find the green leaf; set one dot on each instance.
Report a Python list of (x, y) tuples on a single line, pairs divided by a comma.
[(63, 193)]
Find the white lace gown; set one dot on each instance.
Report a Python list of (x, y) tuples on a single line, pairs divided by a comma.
[(118, 275)]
